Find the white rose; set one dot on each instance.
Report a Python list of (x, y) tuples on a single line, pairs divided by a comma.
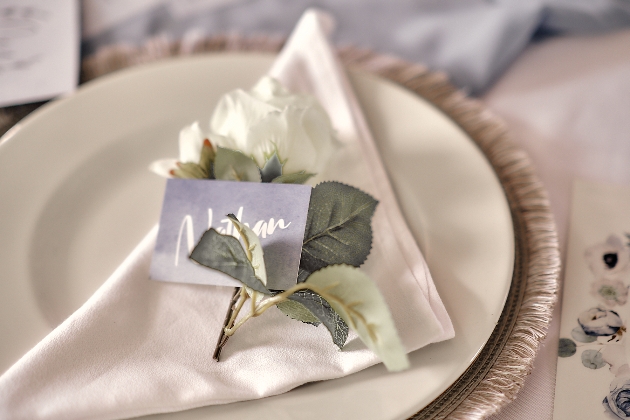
[(190, 142), (270, 119), (265, 120)]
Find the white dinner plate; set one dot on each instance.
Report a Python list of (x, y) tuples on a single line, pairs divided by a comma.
[(76, 197)]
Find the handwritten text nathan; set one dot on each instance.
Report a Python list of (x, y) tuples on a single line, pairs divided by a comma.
[(261, 228)]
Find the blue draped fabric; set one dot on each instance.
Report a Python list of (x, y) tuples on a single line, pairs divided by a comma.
[(473, 41)]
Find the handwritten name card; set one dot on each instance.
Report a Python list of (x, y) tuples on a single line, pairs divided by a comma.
[(275, 212)]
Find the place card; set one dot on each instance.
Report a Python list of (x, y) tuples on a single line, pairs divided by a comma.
[(275, 212)]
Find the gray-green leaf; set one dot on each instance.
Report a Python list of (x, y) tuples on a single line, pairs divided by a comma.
[(579, 335), (566, 347), (593, 359), (206, 160), (272, 169), (323, 312), (302, 275), (225, 253), (297, 311), (189, 170), (296, 178), (358, 301), (232, 165), (338, 226)]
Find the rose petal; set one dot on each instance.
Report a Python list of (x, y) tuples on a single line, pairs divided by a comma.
[(269, 135), (235, 113), (163, 167), (219, 140), (268, 89), (270, 119), (190, 142)]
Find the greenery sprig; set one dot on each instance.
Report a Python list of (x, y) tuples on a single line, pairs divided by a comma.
[(330, 289), (233, 165)]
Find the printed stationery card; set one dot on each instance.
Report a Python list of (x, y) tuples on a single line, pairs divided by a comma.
[(593, 378), (275, 212), (39, 49)]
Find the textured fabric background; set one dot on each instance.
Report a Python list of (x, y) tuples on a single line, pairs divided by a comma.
[(473, 41)]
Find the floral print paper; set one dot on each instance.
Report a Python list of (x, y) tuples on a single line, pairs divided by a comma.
[(593, 378)]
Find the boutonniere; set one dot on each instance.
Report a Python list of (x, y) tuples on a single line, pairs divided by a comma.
[(266, 135)]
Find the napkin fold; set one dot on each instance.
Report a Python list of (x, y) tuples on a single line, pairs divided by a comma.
[(139, 347)]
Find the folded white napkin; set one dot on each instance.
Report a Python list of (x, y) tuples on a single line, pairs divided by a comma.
[(139, 347)]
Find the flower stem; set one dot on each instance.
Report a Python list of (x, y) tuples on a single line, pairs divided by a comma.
[(228, 318), (281, 297), (241, 301)]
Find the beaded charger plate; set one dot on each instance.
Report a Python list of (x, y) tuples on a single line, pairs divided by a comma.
[(469, 195)]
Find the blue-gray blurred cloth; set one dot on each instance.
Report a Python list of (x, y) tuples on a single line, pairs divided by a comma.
[(473, 41)]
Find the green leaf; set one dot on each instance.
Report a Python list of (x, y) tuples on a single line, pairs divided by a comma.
[(225, 253), (360, 304), (338, 226), (323, 312), (272, 169), (302, 275), (206, 160), (593, 359), (580, 336), (189, 171), (202, 170), (296, 178), (566, 347), (253, 248), (232, 165), (297, 311)]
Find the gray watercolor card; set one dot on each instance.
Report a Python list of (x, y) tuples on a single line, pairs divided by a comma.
[(276, 212)]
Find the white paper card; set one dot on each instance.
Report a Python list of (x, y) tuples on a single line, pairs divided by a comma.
[(39, 49), (593, 378)]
